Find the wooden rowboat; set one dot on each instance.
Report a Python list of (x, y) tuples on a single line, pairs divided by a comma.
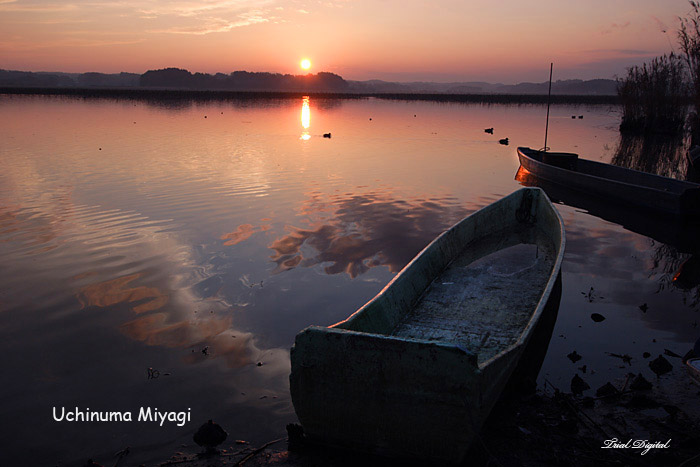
[(660, 194), (415, 371)]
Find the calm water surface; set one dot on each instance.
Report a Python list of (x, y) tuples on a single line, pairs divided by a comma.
[(197, 239)]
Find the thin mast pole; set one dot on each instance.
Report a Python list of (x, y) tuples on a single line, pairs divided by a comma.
[(549, 95)]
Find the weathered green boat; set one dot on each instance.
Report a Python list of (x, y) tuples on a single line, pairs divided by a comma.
[(415, 372)]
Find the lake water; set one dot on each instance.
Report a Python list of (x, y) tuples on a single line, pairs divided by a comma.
[(165, 254)]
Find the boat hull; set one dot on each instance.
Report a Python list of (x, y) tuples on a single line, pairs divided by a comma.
[(356, 385), (693, 366), (660, 194)]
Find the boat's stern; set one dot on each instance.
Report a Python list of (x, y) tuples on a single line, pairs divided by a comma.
[(381, 394)]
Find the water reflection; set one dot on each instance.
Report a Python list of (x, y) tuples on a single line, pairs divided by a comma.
[(627, 266), (109, 292), (146, 251), (661, 155), (154, 304), (674, 248), (687, 275), (680, 271), (305, 118), (115, 291), (242, 233), (681, 233), (210, 338), (362, 231)]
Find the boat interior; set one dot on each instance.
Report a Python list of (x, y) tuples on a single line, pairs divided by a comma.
[(486, 296)]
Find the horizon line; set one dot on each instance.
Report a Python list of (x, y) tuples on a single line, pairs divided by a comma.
[(453, 81)]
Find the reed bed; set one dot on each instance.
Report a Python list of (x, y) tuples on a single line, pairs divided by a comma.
[(689, 41), (654, 97)]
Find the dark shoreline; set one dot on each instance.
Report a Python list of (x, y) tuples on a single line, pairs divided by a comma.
[(203, 95), (545, 429)]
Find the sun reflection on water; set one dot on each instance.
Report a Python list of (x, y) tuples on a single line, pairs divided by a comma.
[(305, 118)]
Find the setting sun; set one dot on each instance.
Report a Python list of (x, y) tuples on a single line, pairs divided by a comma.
[(305, 64)]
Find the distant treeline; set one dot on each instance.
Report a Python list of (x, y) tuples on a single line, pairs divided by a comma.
[(50, 80), (155, 94), (176, 78), (242, 81)]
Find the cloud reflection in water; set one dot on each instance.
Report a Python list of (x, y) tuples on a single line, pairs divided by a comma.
[(114, 291), (242, 233), (353, 233)]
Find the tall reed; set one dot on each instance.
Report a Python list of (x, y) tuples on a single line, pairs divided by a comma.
[(654, 97), (689, 40)]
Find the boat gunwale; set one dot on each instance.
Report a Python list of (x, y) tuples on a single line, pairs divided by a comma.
[(534, 316)]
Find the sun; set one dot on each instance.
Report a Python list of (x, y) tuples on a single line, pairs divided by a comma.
[(305, 64)]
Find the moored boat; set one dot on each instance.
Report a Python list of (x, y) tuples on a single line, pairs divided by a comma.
[(415, 372), (649, 191)]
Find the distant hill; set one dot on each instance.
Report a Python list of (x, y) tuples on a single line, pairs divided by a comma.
[(601, 87), (177, 78), (108, 80)]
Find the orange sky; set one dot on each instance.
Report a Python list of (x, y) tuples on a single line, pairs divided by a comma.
[(454, 40)]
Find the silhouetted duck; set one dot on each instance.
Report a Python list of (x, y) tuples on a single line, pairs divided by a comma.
[(326, 135), (489, 131), (573, 116), (503, 141), (580, 116), (210, 435)]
